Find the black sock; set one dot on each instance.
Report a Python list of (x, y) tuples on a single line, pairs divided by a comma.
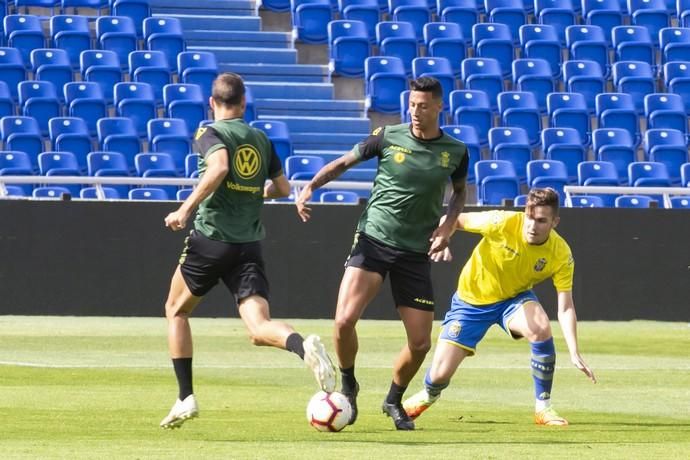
[(183, 372), (294, 343), (349, 383), (395, 393)]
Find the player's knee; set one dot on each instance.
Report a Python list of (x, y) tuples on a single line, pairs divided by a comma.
[(420, 346), (345, 323), (174, 310)]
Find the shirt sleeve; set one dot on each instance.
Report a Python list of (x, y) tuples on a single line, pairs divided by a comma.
[(207, 141), (485, 222), (275, 168), (563, 277), (370, 147), (461, 171)]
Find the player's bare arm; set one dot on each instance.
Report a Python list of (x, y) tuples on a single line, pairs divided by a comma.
[(217, 169), (328, 173), (441, 236), (567, 318), (278, 187)]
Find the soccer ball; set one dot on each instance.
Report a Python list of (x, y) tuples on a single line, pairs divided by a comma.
[(328, 411)]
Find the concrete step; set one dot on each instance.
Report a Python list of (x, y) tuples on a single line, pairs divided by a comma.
[(225, 54), (279, 72), (282, 90), (310, 124), (215, 22), (247, 39), (336, 142), (311, 107)]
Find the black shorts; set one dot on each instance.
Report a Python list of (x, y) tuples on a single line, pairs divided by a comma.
[(240, 265), (410, 271)]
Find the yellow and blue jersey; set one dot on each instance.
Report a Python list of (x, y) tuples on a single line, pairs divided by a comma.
[(503, 264)]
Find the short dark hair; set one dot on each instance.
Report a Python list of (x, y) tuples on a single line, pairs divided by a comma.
[(543, 197), (228, 89), (427, 85)]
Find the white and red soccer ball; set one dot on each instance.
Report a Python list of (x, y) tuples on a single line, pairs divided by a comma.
[(328, 411)]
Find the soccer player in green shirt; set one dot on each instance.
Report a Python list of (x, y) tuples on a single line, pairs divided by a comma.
[(225, 244), (396, 234)]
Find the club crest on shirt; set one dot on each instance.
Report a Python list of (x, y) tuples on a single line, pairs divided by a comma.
[(454, 329), (539, 266), (445, 159)]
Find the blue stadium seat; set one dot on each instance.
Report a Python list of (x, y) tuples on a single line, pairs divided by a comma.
[(310, 20), (602, 173), (511, 144), (198, 68), (556, 13), (674, 43), (102, 67), (648, 174), (6, 102), (14, 191), (137, 102), (633, 43), (534, 75), (24, 5), (614, 145), (107, 163), (540, 41), (586, 78), (171, 136), (137, 10), (16, 163), (90, 193), (358, 175), (677, 80), (566, 146), (117, 134), (24, 32), (680, 202), (494, 41), (52, 65), (148, 194), (60, 164), (588, 43), (683, 12), (303, 166), (38, 99), (668, 147), (344, 197), (85, 100), (586, 201), (665, 110), (279, 6), (117, 34), (445, 40), (191, 165), (496, 181), (52, 192), (150, 67), (603, 13), (12, 70), (405, 107), (384, 79), (397, 39), (348, 45), (520, 109), (468, 135), (164, 34), (71, 33), (183, 193), (520, 201), (70, 134), (79, 4), (157, 165), (464, 13), (472, 108), (483, 74), (22, 134), (651, 14), (633, 201), (415, 12), (367, 11), (509, 12), (279, 134), (635, 78), (548, 173), (439, 68), (617, 110), (185, 101)]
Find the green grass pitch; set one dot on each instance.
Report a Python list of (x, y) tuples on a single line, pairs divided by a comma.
[(98, 387)]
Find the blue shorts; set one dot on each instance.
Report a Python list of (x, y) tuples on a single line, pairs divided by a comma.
[(465, 324)]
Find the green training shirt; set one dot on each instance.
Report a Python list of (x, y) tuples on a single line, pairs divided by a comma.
[(407, 198), (232, 212)]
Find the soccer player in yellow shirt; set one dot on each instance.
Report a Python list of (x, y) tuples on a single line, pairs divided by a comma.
[(517, 251)]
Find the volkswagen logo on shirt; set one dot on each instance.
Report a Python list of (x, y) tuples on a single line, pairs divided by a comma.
[(247, 161)]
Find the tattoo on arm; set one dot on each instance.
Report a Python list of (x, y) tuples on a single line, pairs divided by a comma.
[(333, 170), (457, 200)]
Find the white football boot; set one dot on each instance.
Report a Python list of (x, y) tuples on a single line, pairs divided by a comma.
[(181, 412), (316, 358)]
